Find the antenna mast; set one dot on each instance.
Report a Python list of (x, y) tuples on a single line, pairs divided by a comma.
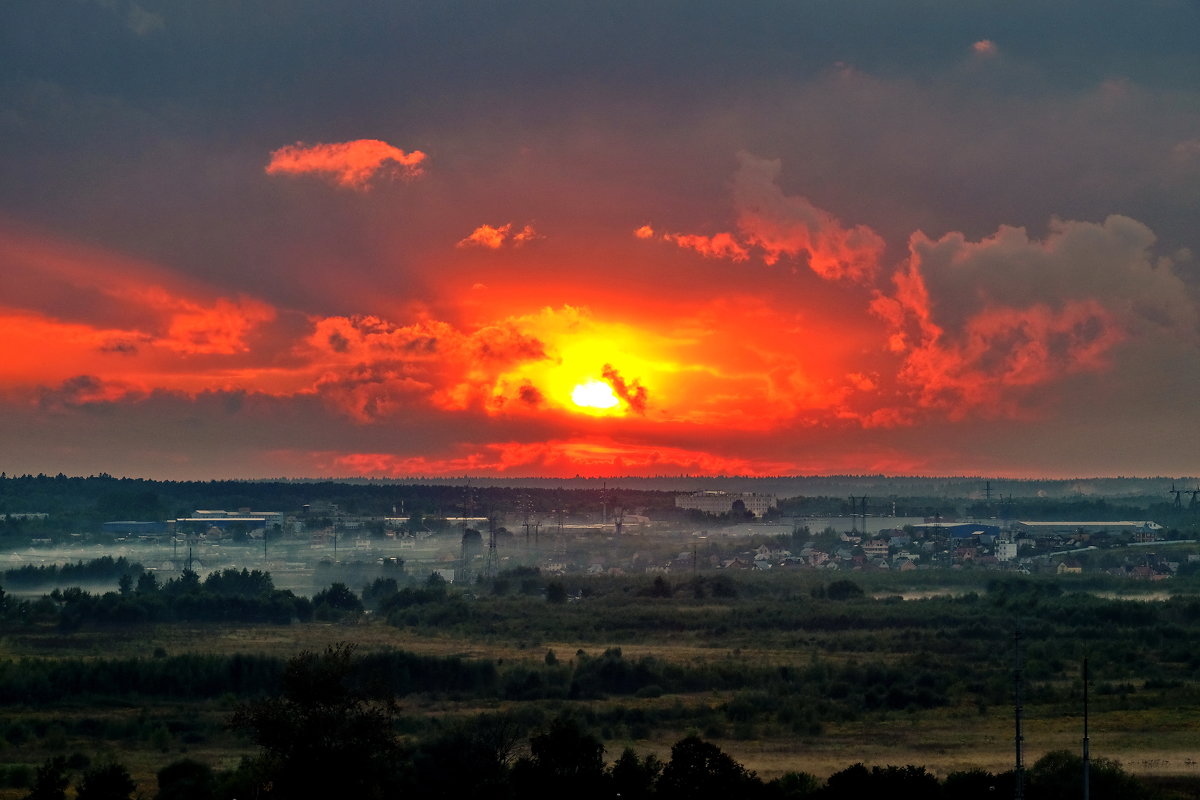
[(1019, 769), (1087, 760)]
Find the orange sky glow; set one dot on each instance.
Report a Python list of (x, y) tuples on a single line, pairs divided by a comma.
[(931, 253)]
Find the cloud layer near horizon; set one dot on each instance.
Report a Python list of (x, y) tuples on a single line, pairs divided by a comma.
[(952, 250)]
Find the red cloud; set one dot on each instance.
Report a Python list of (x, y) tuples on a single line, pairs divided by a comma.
[(1003, 350), (780, 225), (985, 47), (784, 225), (350, 164), (374, 368), (72, 310), (220, 328), (493, 238), (720, 245), (980, 324)]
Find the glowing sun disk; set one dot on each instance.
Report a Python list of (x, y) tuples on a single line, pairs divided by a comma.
[(594, 394)]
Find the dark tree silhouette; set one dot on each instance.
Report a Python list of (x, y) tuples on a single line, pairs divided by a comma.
[(50, 780), (328, 735), (556, 592), (699, 770), (633, 778), (337, 602), (470, 759), (1059, 773), (186, 780), (105, 782), (565, 761)]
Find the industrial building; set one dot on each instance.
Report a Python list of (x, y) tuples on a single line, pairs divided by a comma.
[(722, 502), (1068, 528)]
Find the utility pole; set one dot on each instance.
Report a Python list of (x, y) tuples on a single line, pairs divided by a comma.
[(1087, 759), (1019, 769)]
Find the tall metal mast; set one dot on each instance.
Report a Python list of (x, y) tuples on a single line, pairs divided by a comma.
[(1019, 769), (1087, 759)]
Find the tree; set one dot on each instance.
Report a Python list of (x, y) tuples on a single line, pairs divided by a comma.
[(969, 784), (633, 778), (337, 602), (1059, 773), (469, 759), (330, 733), (556, 592), (105, 782), (843, 590), (660, 587), (186, 780), (147, 583), (699, 770), (737, 511), (50, 780), (565, 761)]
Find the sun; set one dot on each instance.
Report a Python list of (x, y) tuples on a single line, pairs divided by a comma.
[(594, 394)]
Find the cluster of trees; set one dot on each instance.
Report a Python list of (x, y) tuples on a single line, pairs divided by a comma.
[(105, 569), (195, 676), (224, 596)]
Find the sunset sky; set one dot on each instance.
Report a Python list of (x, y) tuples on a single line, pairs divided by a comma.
[(437, 239)]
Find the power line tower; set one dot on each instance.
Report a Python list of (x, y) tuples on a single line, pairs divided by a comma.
[(491, 563), (469, 498), (618, 518), (1178, 495), (525, 503), (472, 543), (858, 505)]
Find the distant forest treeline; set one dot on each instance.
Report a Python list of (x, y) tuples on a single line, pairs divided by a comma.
[(84, 502), (107, 498)]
